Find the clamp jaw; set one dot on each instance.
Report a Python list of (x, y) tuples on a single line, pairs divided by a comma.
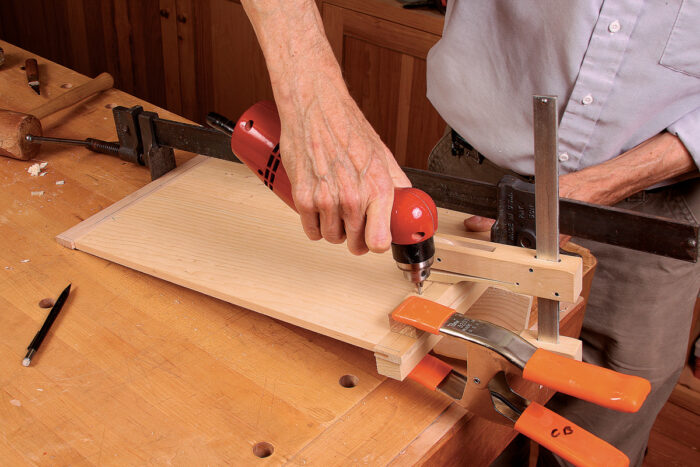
[(598, 385)]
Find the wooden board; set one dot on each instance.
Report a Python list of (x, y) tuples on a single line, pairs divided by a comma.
[(211, 226), (137, 370)]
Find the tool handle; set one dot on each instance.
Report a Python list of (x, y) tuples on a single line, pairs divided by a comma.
[(604, 387), (567, 439), (430, 372), (31, 67), (101, 82)]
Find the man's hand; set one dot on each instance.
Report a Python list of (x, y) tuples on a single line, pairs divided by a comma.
[(342, 175)]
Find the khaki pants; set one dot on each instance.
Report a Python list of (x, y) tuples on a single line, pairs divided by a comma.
[(639, 312)]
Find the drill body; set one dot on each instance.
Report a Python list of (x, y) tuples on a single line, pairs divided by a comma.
[(255, 141)]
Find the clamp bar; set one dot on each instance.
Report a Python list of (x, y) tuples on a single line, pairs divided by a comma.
[(546, 206)]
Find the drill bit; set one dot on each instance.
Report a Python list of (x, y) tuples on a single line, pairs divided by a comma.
[(419, 287)]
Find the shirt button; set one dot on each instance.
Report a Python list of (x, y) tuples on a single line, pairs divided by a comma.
[(587, 99), (614, 26), (563, 157)]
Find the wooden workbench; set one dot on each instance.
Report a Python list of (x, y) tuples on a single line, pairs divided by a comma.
[(139, 370)]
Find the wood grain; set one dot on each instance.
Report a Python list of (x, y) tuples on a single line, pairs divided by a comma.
[(210, 225), (137, 370)]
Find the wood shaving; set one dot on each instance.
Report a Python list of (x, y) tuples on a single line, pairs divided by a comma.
[(60, 182), (37, 193), (34, 170)]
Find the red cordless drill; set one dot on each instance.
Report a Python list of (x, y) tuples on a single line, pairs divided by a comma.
[(255, 141)]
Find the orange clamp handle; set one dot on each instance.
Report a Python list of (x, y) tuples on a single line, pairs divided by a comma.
[(592, 383), (567, 439), (430, 372), (422, 314)]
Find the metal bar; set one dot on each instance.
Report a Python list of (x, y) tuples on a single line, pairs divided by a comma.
[(193, 138), (458, 194), (46, 139), (546, 205), (638, 231), (506, 343)]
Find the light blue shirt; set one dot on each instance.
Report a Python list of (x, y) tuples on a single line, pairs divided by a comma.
[(623, 71)]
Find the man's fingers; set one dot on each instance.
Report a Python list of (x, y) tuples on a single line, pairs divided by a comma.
[(355, 239), (332, 228), (311, 225), (478, 224), (354, 221), (377, 228)]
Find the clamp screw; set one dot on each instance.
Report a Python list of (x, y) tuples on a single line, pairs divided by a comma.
[(476, 381)]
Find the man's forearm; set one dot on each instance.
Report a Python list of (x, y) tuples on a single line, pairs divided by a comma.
[(297, 52), (342, 174), (659, 158)]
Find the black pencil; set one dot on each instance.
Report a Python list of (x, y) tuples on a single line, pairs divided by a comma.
[(36, 342)]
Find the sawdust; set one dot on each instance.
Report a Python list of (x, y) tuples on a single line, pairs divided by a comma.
[(36, 169)]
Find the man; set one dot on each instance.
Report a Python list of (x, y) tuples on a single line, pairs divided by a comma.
[(627, 74)]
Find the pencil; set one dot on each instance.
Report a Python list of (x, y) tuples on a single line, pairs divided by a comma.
[(36, 342)]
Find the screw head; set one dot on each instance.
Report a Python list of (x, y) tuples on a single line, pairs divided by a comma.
[(476, 381)]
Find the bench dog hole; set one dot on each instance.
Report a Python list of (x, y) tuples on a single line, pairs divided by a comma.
[(46, 302), (263, 449), (348, 381)]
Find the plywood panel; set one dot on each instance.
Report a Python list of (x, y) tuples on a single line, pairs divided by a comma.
[(215, 228)]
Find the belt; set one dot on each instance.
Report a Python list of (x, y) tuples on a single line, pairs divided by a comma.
[(462, 148)]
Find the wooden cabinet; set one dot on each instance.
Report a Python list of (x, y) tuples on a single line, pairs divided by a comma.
[(214, 63), (382, 49), (121, 37), (197, 56), (213, 59)]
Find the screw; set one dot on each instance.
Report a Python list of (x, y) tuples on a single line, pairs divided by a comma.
[(476, 381), (692, 243)]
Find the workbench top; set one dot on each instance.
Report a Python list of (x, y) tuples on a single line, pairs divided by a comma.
[(139, 370)]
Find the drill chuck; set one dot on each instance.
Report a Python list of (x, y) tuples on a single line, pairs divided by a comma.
[(413, 225), (415, 260), (255, 140)]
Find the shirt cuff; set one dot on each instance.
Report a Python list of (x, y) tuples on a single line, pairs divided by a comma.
[(687, 128)]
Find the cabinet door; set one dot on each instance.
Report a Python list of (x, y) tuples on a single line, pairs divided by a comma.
[(216, 58), (384, 65), (121, 37)]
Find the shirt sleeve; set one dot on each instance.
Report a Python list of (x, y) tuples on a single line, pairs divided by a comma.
[(687, 128)]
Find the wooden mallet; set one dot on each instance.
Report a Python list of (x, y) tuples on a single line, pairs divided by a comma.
[(15, 126)]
